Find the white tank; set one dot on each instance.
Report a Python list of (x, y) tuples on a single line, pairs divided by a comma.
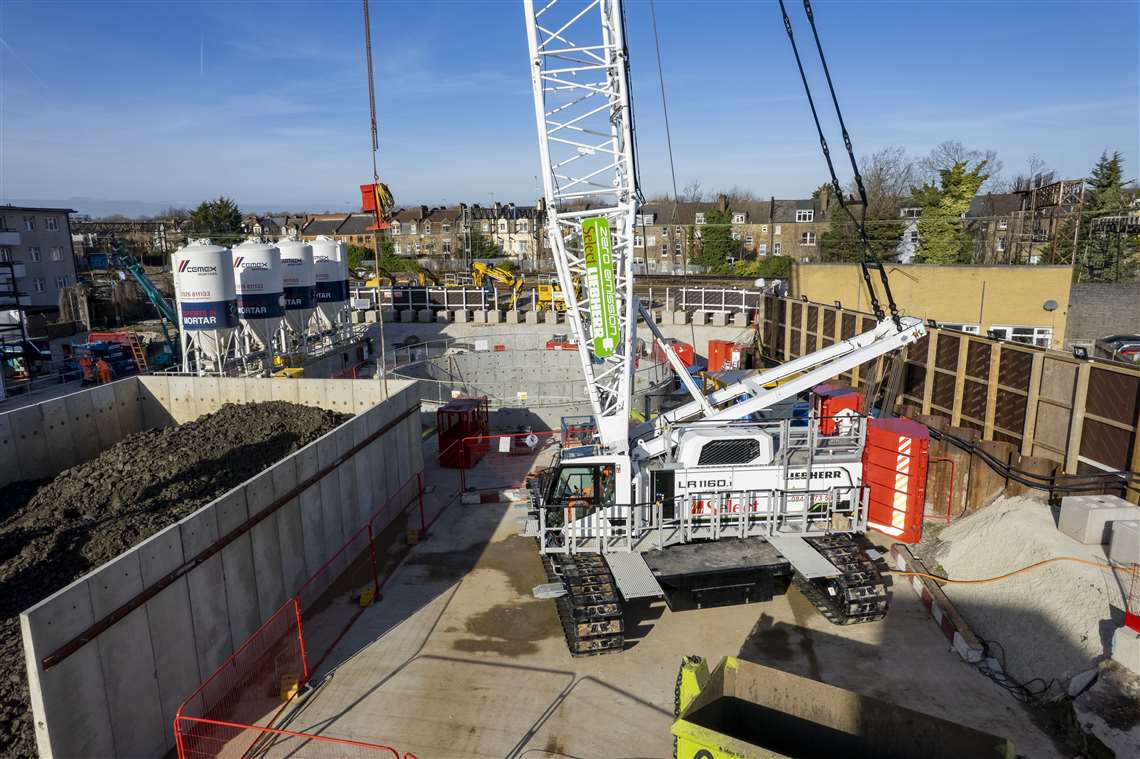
[(258, 283), (207, 302), (298, 280), (330, 261)]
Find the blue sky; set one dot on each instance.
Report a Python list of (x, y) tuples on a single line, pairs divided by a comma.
[(266, 101)]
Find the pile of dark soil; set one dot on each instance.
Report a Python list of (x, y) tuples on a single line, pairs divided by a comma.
[(52, 532)]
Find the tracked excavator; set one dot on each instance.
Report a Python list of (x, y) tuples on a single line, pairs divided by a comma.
[(717, 500)]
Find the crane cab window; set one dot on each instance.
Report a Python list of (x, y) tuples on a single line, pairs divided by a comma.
[(592, 484)]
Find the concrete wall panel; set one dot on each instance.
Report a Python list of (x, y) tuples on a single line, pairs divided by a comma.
[(331, 503), (127, 657), (9, 461), (81, 418), (312, 392), (360, 471), (106, 418), (312, 520), (291, 536), (207, 394), (57, 431), (207, 590), (155, 392), (258, 390), (285, 390), (31, 443), (350, 511), (128, 406), (69, 700), (266, 544), (231, 390), (237, 563), (182, 404), (171, 625)]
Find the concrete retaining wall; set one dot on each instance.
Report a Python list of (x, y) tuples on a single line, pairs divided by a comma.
[(117, 695)]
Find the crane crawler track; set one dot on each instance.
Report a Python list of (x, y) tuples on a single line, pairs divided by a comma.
[(591, 610), (857, 595)]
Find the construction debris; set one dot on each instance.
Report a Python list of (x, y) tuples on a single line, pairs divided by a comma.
[(54, 532)]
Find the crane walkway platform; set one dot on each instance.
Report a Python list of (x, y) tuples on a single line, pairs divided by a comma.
[(633, 576), (807, 561)]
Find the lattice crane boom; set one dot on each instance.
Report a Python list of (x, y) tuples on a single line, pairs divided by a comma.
[(579, 72)]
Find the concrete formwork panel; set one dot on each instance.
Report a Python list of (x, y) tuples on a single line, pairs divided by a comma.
[(206, 587), (70, 699), (168, 619), (125, 649)]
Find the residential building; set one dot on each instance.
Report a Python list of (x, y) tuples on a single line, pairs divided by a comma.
[(39, 238), (322, 224), (517, 231)]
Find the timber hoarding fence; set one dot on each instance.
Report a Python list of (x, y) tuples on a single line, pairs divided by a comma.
[(112, 655), (1083, 415)]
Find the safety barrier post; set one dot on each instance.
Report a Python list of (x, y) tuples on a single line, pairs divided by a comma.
[(301, 640)]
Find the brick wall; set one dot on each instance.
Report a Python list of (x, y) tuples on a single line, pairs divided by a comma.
[(1097, 309)]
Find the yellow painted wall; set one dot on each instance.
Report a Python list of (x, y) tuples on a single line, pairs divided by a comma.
[(984, 295)]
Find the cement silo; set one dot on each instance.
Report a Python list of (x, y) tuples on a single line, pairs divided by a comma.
[(299, 285), (330, 260), (259, 285), (207, 305)]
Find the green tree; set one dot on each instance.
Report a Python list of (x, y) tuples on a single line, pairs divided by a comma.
[(717, 245), (219, 218), (1107, 254), (942, 237), (482, 246), (768, 267), (841, 240)]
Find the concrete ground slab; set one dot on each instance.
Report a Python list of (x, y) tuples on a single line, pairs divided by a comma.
[(459, 659)]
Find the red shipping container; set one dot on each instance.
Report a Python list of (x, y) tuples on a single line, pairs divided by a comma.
[(829, 399), (684, 352), (458, 419), (720, 354), (895, 460)]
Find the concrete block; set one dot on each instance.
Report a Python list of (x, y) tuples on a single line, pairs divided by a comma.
[(531, 317), (740, 319), (358, 317), (389, 315), (1126, 648), (720, 319), (1087, 518), (462, 316), (443, 316), (69, 701), (479, 316), (680, 317), (126, 653), (372, 316), (700, 318), (513, 316), (407, 316), (424, 316), (494, 316), (1125, 545), (550, 317)]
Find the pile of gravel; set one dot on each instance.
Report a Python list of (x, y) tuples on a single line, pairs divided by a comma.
[(1053, 622), (54, 531)]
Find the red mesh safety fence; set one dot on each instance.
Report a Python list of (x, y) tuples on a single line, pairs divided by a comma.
[(232, 712)]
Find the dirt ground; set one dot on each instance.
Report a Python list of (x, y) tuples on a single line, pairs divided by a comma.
[(54, 531)]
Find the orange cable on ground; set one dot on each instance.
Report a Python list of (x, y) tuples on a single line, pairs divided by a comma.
[(1133, 570)]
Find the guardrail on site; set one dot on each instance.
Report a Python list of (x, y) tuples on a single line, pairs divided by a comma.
[(233, 711)]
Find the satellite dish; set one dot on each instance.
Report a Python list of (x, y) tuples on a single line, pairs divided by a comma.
[(1050, 305)]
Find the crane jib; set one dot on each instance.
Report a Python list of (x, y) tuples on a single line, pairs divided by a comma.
[(601, 286)]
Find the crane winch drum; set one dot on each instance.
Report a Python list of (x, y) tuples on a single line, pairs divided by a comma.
[(259, 284), (298, 280), (207, 304), (330, 263)]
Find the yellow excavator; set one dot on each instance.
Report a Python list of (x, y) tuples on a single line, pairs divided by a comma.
[(483, 273), (550, 294)]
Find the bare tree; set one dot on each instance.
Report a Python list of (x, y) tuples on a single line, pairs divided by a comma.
[(950, 152), (888, 174), (692, 192)]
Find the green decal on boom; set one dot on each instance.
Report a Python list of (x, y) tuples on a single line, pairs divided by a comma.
[(600, 285)]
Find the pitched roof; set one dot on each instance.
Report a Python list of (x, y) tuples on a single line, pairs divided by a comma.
[(323, 226), (356, 224), (994, 204)]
